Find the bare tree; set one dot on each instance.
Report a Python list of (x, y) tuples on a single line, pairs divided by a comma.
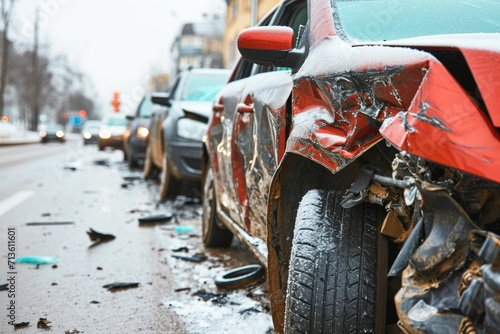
[(6, 14)]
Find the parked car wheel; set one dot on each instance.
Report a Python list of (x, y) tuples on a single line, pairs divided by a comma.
[(168, 184), (132, 160), (149, 171), (336, 281), (213, 234)]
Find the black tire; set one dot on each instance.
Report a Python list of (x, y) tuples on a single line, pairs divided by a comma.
[(132, 161), (336, 280), (214, 235), (150, 171), (240, 277), (169, 186)]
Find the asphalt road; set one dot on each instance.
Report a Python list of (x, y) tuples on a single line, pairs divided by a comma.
[(51, 195)]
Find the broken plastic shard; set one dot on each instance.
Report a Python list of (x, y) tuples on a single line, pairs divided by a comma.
[(120, 285), (72, 331), (421, 311), (37, 259), (184, 229), (97, 236), (161, 218)]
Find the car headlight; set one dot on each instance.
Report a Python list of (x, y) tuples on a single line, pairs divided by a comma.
[(190, 129), (87, 135), (60, 134), (42, 133), (104, 134), (142, 132)]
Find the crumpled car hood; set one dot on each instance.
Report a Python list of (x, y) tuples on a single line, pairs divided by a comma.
[(482, 53)]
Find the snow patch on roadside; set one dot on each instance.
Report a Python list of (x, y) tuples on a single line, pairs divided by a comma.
[(239, 314)]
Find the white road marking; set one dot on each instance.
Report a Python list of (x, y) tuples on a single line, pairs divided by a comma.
[(14, 200)]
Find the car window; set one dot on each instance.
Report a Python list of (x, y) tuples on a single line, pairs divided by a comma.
[(293, 16), (116, 121), (203, 86), (242, 70), (145, 108), (383, 20)]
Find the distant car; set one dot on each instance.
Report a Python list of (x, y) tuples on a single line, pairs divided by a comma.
[(52, 132), (137, 132), (174, 143), (111, 132), (90, 132)]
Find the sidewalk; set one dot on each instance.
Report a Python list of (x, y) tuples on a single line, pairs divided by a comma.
[(13, 135)]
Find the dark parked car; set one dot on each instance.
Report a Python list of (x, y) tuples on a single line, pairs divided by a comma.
[(111, 132), (174, 143), (358, 140), (90, 132), (137, 132), (52, 132)]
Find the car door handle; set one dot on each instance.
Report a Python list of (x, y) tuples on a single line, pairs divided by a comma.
[(244, 108)]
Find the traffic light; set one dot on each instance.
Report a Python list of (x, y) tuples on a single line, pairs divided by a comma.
[(116, 101), (82, 113)]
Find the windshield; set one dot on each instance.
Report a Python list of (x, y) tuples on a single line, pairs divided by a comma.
[(115, 121), (203, 87), (382, 20)]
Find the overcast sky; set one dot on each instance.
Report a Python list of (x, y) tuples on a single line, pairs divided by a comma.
[(117, 43)]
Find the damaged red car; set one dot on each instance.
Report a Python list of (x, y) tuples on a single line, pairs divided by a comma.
[(356, 152)]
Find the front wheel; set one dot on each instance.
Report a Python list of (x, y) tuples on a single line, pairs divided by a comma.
[(150, 171), (168, 184), (336, 280), (213, 234), (132, 160)]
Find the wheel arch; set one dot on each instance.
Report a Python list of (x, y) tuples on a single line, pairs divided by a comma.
[(294, 177)]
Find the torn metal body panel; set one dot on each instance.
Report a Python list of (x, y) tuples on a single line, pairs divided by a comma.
[(246, 163)]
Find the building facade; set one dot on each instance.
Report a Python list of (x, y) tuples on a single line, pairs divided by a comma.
[(198, 44), (239, 17)]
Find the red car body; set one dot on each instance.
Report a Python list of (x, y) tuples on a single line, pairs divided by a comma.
[(274, 135)]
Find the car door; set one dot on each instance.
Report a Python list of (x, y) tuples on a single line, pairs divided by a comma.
[(255, 128)]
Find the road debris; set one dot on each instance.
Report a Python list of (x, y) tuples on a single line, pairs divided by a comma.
[(240, 277), (72, 331), (181, 249), (95, 302), (132, 178), (21, 325), (198, 257), (98, 237), (184, 229), (37, 259), (120, 285), (216, 298), (49, 223), (43, 323), (160, 218), (182, 289), (4, 287), (104, 162)]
